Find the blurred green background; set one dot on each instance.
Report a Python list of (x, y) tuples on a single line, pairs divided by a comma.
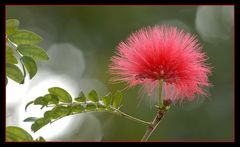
[(80, 41)]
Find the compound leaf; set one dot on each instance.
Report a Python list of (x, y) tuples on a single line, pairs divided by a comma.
[(33, 51), (25, 37), (81, 97), (117, 99), (30, 65), (62, 94), (30, 119), (91, 107), (14, 73), (16, 134), (39, 123), (10, 58), (107, 99), (93, 96), (12, 26)]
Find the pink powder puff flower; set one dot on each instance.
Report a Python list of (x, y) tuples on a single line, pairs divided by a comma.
[(162, 52)]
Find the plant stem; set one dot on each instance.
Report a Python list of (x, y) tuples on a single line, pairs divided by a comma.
[(162, 111), (117, 112), (160, 101), (14, 46), (163, 106), (132, 118)]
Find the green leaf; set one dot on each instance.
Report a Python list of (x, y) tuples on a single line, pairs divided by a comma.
[(51, 99), (44, 100), (12, 26), (91, 107), (30, 119), (81, 97), (28, 105), (101, 107), (16, 134), (14, 73), (93, 96), (62, 94), (25, 37), (30, 65), (60, 111), (40, 139), (39, 123), (77, 108), (48, 114), (10, 58), (6, 81), (41, 101), (117, 99), (33, 51), (107, 99)]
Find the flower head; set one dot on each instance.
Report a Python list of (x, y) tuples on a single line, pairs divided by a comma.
[(162, 52)]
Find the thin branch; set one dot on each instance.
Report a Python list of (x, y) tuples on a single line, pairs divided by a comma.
[(117, 112), (160, 101), (133, 118), (14, 47), (161, 113), (163, 106)]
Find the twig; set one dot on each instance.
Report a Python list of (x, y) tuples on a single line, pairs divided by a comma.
[(163, 106), (133, 118), (162, 111)]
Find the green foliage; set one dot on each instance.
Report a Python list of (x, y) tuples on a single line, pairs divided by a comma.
[(21, 46), (33, 51), (117, 99), (48, 114), (39, 123), (25, 37), (51, 99), (29, 103), (30, 65), (63, 105), (62, 94), (107, 99), (81, 98), (10, 58), (101, 106), (30, 119), (16, 134), (93, 96), (14, 73), (12, 26), (91, 107), (40, 139), (41, 101), (78, 108), (60, 111)]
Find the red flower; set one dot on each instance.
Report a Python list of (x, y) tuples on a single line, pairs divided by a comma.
[(162, 52)]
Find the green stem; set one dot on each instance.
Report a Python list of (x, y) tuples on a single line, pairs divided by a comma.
[(163, 106), (13, 46), (132, 118), (118, 112), (160, 101)]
